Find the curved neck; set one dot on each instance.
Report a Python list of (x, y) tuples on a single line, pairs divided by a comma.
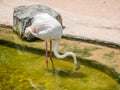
[(57, 42)]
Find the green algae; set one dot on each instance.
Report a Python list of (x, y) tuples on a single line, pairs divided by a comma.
[(18, 69)]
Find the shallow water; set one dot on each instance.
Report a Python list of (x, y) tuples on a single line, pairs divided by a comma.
[(21, 70), (23, 67)]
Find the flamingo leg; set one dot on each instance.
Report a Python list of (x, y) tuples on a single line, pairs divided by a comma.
[(47, 54), (51, 54)]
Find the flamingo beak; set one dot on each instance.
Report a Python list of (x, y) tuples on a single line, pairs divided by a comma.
[(77, 66)]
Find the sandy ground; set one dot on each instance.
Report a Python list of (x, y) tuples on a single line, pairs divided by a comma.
[(91, 19)]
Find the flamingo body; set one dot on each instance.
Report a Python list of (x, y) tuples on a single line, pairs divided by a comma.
[(48, 28)]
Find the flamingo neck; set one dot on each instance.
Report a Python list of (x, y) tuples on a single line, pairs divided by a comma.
[(57, 42)]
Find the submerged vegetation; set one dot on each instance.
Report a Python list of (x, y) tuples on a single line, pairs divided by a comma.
[(23, 67)]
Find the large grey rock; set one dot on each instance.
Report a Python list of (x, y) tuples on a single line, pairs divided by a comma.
[(22, 17)]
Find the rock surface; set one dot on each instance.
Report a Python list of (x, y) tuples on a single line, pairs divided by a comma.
[(22, 17)]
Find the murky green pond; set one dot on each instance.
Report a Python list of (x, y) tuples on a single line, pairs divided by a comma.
[(23, 67)]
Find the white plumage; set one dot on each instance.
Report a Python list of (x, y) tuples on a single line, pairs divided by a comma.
[(48, 28)]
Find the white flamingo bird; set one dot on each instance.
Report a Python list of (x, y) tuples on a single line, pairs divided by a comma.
[(48, 28)]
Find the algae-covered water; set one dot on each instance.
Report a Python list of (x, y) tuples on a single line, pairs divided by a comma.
[(23, 67)]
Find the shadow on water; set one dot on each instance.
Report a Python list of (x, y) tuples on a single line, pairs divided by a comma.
[(66, 73), (22, 47), (69, 74)]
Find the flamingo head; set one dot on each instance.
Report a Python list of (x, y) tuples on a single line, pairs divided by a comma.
[(28, 31)]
